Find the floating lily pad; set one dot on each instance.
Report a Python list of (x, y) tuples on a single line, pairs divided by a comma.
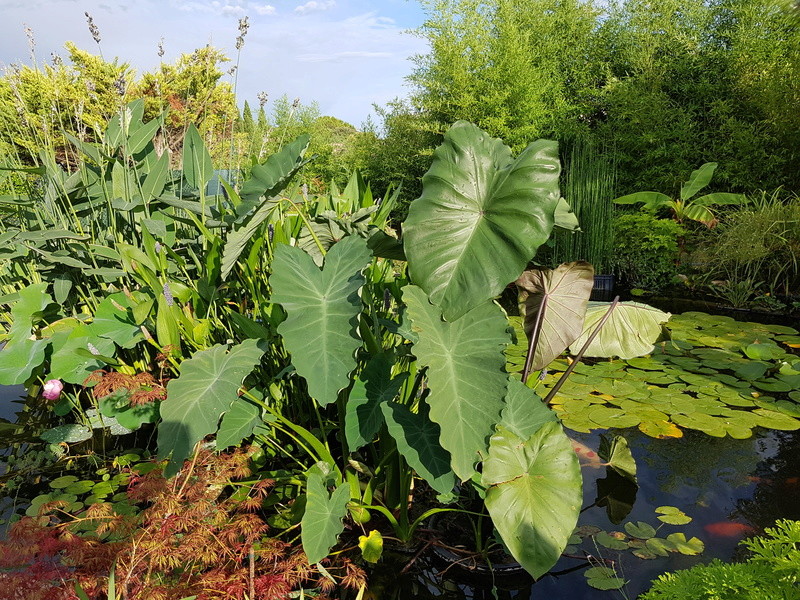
[(659, 546), (603, 578), (660, 429), (611, 542), (640, 530), (673, 515), (690, 547), (776, 420)]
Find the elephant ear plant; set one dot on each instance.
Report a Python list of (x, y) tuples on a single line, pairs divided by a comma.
[(433, 392)]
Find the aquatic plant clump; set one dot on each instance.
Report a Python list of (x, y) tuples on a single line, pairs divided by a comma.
[(715, 375)]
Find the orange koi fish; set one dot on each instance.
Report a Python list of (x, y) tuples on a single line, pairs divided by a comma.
[(728, 529)]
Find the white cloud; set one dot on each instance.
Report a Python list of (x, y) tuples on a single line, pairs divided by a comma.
[(263, 9), (315, 6)]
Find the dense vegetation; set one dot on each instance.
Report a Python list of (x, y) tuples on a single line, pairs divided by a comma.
[(246, 369)]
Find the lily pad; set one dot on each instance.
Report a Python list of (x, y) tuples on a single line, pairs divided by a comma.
[(640, 530), (603, 578), (660, 429), (689, 547), (673, 515), (659, 546), (610, 542)]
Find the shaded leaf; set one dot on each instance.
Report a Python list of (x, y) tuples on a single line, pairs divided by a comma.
[(631, 331), (566, 292), (206, 387), (465, 374)]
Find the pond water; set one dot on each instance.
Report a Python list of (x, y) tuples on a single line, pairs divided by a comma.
[(731, 488)]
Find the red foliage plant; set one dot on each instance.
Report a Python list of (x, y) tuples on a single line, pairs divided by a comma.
[(190, 537)]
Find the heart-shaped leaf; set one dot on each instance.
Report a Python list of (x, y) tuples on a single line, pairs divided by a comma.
[(615, 451), (206, 388), (524, 411), (322, 308), (322, 520), (534, 494), (481, 217), (417, 439), (689, 547)]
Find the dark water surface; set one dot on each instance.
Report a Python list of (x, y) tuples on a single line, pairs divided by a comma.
[(731, 488)]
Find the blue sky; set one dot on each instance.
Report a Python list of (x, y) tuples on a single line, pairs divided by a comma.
[(343, 54)]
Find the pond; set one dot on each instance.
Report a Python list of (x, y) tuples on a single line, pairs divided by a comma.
[(709, 393)]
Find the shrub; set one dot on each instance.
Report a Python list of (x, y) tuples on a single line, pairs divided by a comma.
[(646, 250)]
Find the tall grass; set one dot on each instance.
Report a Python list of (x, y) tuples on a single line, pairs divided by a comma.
[(589, 186)]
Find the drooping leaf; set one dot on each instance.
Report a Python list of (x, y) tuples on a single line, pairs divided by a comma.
[(534, 494), (481, 217), (614, 450), (197, 166), (524, 412), (565, 217), (322, 520), (651, 200), (322, 308), (374, 387), (206, 388), (417, 439), (565, 291), (465, 374), (238, 422), (631, 331)]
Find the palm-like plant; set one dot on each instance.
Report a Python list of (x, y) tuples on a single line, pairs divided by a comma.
[(687, 206)]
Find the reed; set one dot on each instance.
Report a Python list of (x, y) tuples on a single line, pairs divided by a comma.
[(588, 184)]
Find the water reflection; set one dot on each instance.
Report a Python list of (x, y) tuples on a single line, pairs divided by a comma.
[(729, 487)]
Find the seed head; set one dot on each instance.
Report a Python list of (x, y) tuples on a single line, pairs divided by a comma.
[(244, 25), (92, 28), (262, 98)]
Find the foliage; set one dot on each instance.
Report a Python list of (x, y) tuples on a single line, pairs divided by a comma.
[(716, 375), (771, 572), (589, 181), (687, 206), (161, 540), (645, 250), (252, 310)]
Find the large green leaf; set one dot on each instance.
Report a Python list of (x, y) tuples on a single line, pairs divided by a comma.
[(197, 166), (21, 354), (322, 520), (465, 374), (375, 386), (69, 363), (417, 440), (524, 412), (271, 177), (114, 320), (259, 203), (481, 217), (322, 306), (631, 330), (699, 179), (565, 292), (206, 388), (651, 200), (534, 494)]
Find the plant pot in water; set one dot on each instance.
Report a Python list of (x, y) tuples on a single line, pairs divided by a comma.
[(603, 283)]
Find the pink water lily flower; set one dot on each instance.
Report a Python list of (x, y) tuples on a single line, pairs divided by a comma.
[(52, 389)]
